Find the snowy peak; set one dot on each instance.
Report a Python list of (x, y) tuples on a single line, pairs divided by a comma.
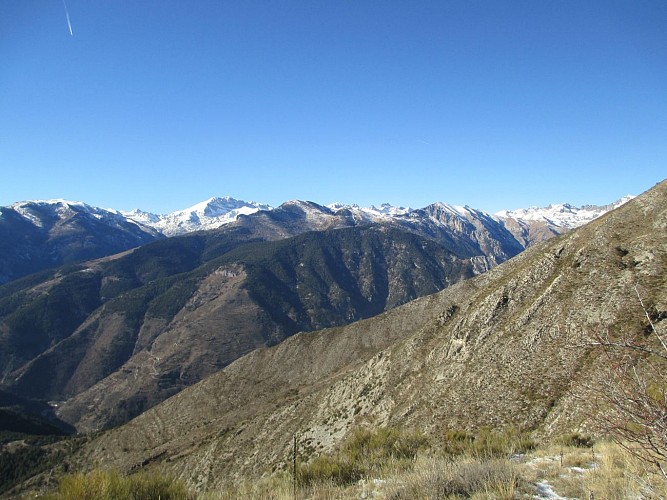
[(142, 217), (372, 213), (209, 214), (34, 210), (43, 234), (457, 210), (562, 215), (222, 207), (43, 213)]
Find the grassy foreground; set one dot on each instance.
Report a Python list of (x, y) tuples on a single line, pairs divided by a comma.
[(396, 465)]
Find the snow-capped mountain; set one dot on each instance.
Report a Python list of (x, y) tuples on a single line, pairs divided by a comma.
[(372, 213), (217, 212), (44, 213), (562, 215), (209, 214), (37, 235)]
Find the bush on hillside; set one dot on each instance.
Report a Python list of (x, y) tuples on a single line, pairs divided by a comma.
[(487, 443), (363, 453), (101, 484)]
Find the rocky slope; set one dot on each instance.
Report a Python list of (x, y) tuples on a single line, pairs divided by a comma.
[(508, 347)]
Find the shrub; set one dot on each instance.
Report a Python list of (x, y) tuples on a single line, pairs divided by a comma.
[(365, 452), (487, 443), (326, 469), (111, 485), (375, 447), (466, 478), (575, 440)]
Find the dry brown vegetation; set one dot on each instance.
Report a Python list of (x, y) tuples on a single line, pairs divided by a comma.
[(396, 465), (636, 393)]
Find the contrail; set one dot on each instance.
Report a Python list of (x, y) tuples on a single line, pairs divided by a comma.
[(69, 24)]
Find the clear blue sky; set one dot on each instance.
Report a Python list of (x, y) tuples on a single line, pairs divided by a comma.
[(159, 104)]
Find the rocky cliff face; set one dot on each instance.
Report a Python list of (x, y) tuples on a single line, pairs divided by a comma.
[(508, 347)]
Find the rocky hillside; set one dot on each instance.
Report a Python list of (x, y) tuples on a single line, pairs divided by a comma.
[(508, 347)]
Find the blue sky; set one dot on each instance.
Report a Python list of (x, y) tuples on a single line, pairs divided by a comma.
[(495, 104)]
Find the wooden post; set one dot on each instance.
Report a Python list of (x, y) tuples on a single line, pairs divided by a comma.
[(294, 480)]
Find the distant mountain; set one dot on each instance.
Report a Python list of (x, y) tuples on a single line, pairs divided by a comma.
[(508, 348), (563, 215), (38, 235), (209, 214), (216, 212)]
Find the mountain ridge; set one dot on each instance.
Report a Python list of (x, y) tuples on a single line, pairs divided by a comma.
[(41, 234), (219, 214), (215, 212), (563, 214)]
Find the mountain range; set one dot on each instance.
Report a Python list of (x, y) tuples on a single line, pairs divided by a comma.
[(39, 235), (509, 347), (73, 334), (313, 320), (215, 212), (176, 310)]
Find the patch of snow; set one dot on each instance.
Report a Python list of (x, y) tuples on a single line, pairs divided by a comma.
[(545, 490), (142, 217), (27, 214)]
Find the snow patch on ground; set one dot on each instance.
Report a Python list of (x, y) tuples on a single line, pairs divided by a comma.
[(545, 490)]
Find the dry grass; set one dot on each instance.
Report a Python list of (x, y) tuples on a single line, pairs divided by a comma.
[(400, 466), (110, 485), (365, 454), (620, 475), (466, 478), (605, 470)]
